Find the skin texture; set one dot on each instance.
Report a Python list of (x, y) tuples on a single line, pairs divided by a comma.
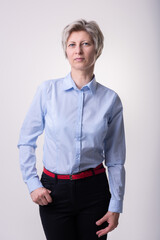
[(112, 219), (81, 51), (41, 196), (81, 55)]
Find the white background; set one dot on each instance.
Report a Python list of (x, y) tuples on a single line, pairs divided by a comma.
[(30, 52)]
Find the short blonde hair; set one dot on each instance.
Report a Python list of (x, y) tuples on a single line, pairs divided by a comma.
[(91, 28)]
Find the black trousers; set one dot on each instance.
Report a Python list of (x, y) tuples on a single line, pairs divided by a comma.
[(76, 206)]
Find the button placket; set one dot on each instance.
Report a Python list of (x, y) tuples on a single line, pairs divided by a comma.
[(79, 128)]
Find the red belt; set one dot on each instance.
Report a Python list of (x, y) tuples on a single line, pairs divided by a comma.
[(90, 172)]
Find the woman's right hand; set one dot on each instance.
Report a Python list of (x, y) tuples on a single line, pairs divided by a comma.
[(41, 196)]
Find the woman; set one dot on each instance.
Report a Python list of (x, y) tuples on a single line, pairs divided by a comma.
[(83, 123)]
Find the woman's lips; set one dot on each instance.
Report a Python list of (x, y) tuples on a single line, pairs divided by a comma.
[(79, 59)]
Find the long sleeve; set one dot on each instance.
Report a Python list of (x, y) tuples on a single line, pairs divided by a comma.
[(32, 127), (115, 156), (76, 134)]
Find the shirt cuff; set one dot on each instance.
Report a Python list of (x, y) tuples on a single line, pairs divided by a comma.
[(116, 206), (33, 184)]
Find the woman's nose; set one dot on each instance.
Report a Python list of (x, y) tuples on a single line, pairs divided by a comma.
[(78, 49)]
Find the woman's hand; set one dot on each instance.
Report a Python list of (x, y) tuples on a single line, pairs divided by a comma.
[(112, 219), (41, 196)]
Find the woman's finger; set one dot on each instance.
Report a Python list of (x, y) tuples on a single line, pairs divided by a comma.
[(48, 196), (106, 230)]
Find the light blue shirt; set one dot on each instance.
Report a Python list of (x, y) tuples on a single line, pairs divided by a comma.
[(83, 127)]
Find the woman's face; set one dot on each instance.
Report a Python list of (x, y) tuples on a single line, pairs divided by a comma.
[(80, 51)]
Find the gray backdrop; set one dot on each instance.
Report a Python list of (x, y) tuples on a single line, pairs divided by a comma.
[(30, 52)]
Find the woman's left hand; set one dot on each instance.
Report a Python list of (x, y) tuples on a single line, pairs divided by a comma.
[(112, 219)]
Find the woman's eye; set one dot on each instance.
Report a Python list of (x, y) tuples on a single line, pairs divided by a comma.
[(71, 45), (85, 43)]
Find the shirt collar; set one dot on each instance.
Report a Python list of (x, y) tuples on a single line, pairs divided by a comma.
[(69, 83)]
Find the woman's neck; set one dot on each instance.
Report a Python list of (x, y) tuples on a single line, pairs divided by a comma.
[(81, 78)]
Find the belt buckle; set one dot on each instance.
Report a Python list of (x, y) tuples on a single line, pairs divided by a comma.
[(70, 177)]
